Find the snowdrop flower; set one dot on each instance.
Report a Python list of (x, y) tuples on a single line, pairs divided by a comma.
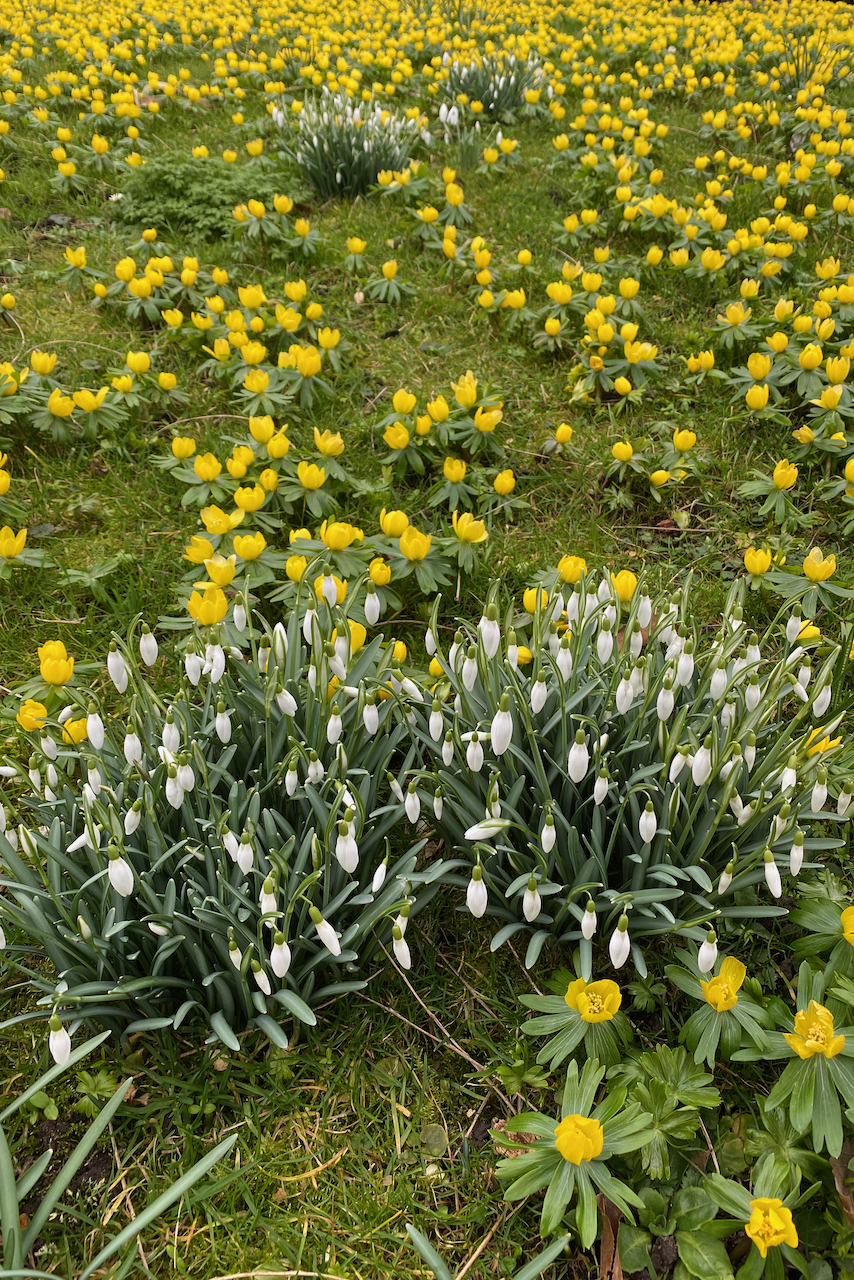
[(644, 614), (260, 977), (512, 651), (579, 758), (600, 786), (625, 693), (379, 876), (844, 801), (372, 606), (186, 777), (280, 955), (435, 724), (796, 853), (94, 778), (648, 823), (531, 903), (51, 750), (470, 668), (438, 804), (708, 953), (572, 605), (448, 748), (315, 772), (678, 763), (637, 677), (781, 821), (193, 668), (325, 932), (267, 900), (685, 665), (635, 640), (702, 767), (588, 920), (239, 615), (291, 779), (476, 894), (539, 693), (805, 673), (753, 653), (245, 855), (286, 703), (334, 726), (490, 632), (119, 872), (430, 642), (752, 693), (728, 712), (620, 944), (666, 701), (94, 730), (772, 874), (328, 589), (793, 626), (474, 754), (117, 669), (400, 947), (412, 803), (308, 625), (548, 835), (735, 762), (819, 792), (371, 715), (147, 646), (605, 641), (395, 786), (59, 1041), (564, 659), (346, 848), (789, 776), (822, 701), (132, 748), (750, 751), (133, 817), (222, 723), (454, 650), (214, 663), (501, 730), (718, 683), (234, 953)]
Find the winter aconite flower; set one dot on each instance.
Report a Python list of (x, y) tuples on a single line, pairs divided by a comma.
[(813, 1033), (771, 1224), (756, 561), (817, 567), (55, 664), (721, 992), (595, 1001), (579, 1138), (414, 545)]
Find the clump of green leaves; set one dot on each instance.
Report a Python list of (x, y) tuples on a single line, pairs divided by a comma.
[(192, 195)]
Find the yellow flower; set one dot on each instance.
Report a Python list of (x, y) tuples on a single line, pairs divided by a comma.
[(438, 409), (209, 608), (340, 588), (563, 433), (683, 440), (722, 991), (504, 482), (622, 451), (89, 401), (757, 396), (249, 499), (530, 599), (819, 568), (486, 420), (847, 922), (75, 731), (221, 570), (622, 386), (55, 665), (11, 544), (811, 356), (454, 470), (310, 476), (256, 381), (207, 467), (167, 381), (262, 429), (823, 744), (380, 574), (396, 436), (75, 257), (278, 445), (571, 568), (624, 584), (250, 546), (659, 477), (813, 1033), (757, 561), (393, 523), (785, 474), (837, 368), (465, 391), (389, 269), (467, 528), (217, 521), (355, 245), (138, 361), (596, 1001), (403, 401), (579, 1138), (770, 1225), (339, 535), (32, 715), (42, 363), (330, 443), (199, 550), (295, 567), (414, 545)]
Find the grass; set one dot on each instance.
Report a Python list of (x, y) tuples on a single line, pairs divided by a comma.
[(331, 1159)]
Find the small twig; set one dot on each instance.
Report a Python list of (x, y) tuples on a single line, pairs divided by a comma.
[(430, 1014), (709, 1143), (484, 1242)]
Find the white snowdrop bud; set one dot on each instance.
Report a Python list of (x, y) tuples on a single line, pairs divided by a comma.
[(379, 876), (448, 748), (334, 726), (548, 835), (438, 805), (796, 853), (261, 978), (456, 648), (435, 724), (539, 693), (789, 776), (579, 758), (805, 672), (316, 772), (119, 872), (83, 929), (474, 754), (133, 817), (400, 947), (678, 763), (286, 703), (430, 642), (844, 801), (635, 640), (685, 665), (58, 1041), (531, 903), (147, 646), (772, 874), (267, 901), (280, 955), (648, 823), (620, 943), (604, 591), (708, 953), (572, 605), (193, 667), (371, 715), (637, 677), (702, 767), (600, 787), (328, 589), (372, 606), (666, 701), (346, 848), (512, 651), (308, 625), (490, 632), (117, 669), (750, 751), (644, 615), (476, 894), (403, 918), (819, 792), (625, 695), (291, 780), (793, 626), (50, 749), (470, 668), (718, 683), (222, 723), (822, 701), (753, 653), (239, 615), (325, 932), (412, 803), (605, 642), (395, 786), (752, 693), (234, 954), (185, 775), (245, 856), (501, 730), (94, 728), (781, 821), (588, 920), (554, 640), (564, 659)]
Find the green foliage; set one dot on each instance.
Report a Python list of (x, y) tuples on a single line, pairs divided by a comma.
[(180, 195)]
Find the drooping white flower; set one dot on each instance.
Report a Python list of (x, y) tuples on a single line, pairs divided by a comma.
[(648, 823), (750, 751), (325, 932), (58, 1042), (222, 724), (501, 730), (600, 786), (474, 754), (117, 669), (412, 803), (476, 894), (531, 903), (752, 693), (708, 953), (470, 668), (685, 665), (430, 642), (539, 693), (245, 853), (148, 647), (490, 631), (334, 726), (235, 955), (379, 876), (605, 642), (372, 606), (666, 700), (579, 758), (844, 801), (448, 748), (772, 874), (822, 701), (678, 763), (193, 667), (793, 626), (702, 767), (589, 920), (400, 947), (120, 873), (718, 683), (346, 848), (789, 776), (548, 835), (644, 614), (280, 956), (371, 718), (625, 695), (291, 780), (95, 729), (619, 944), (133, 817), (796, 853), (239, 616), (438, 805), (286, 703), (261, 979)]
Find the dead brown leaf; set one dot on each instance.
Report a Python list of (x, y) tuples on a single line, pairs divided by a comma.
[(839, 1164), (609, 1255)]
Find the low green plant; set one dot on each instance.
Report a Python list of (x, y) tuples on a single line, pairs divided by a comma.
[(197, 195)]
